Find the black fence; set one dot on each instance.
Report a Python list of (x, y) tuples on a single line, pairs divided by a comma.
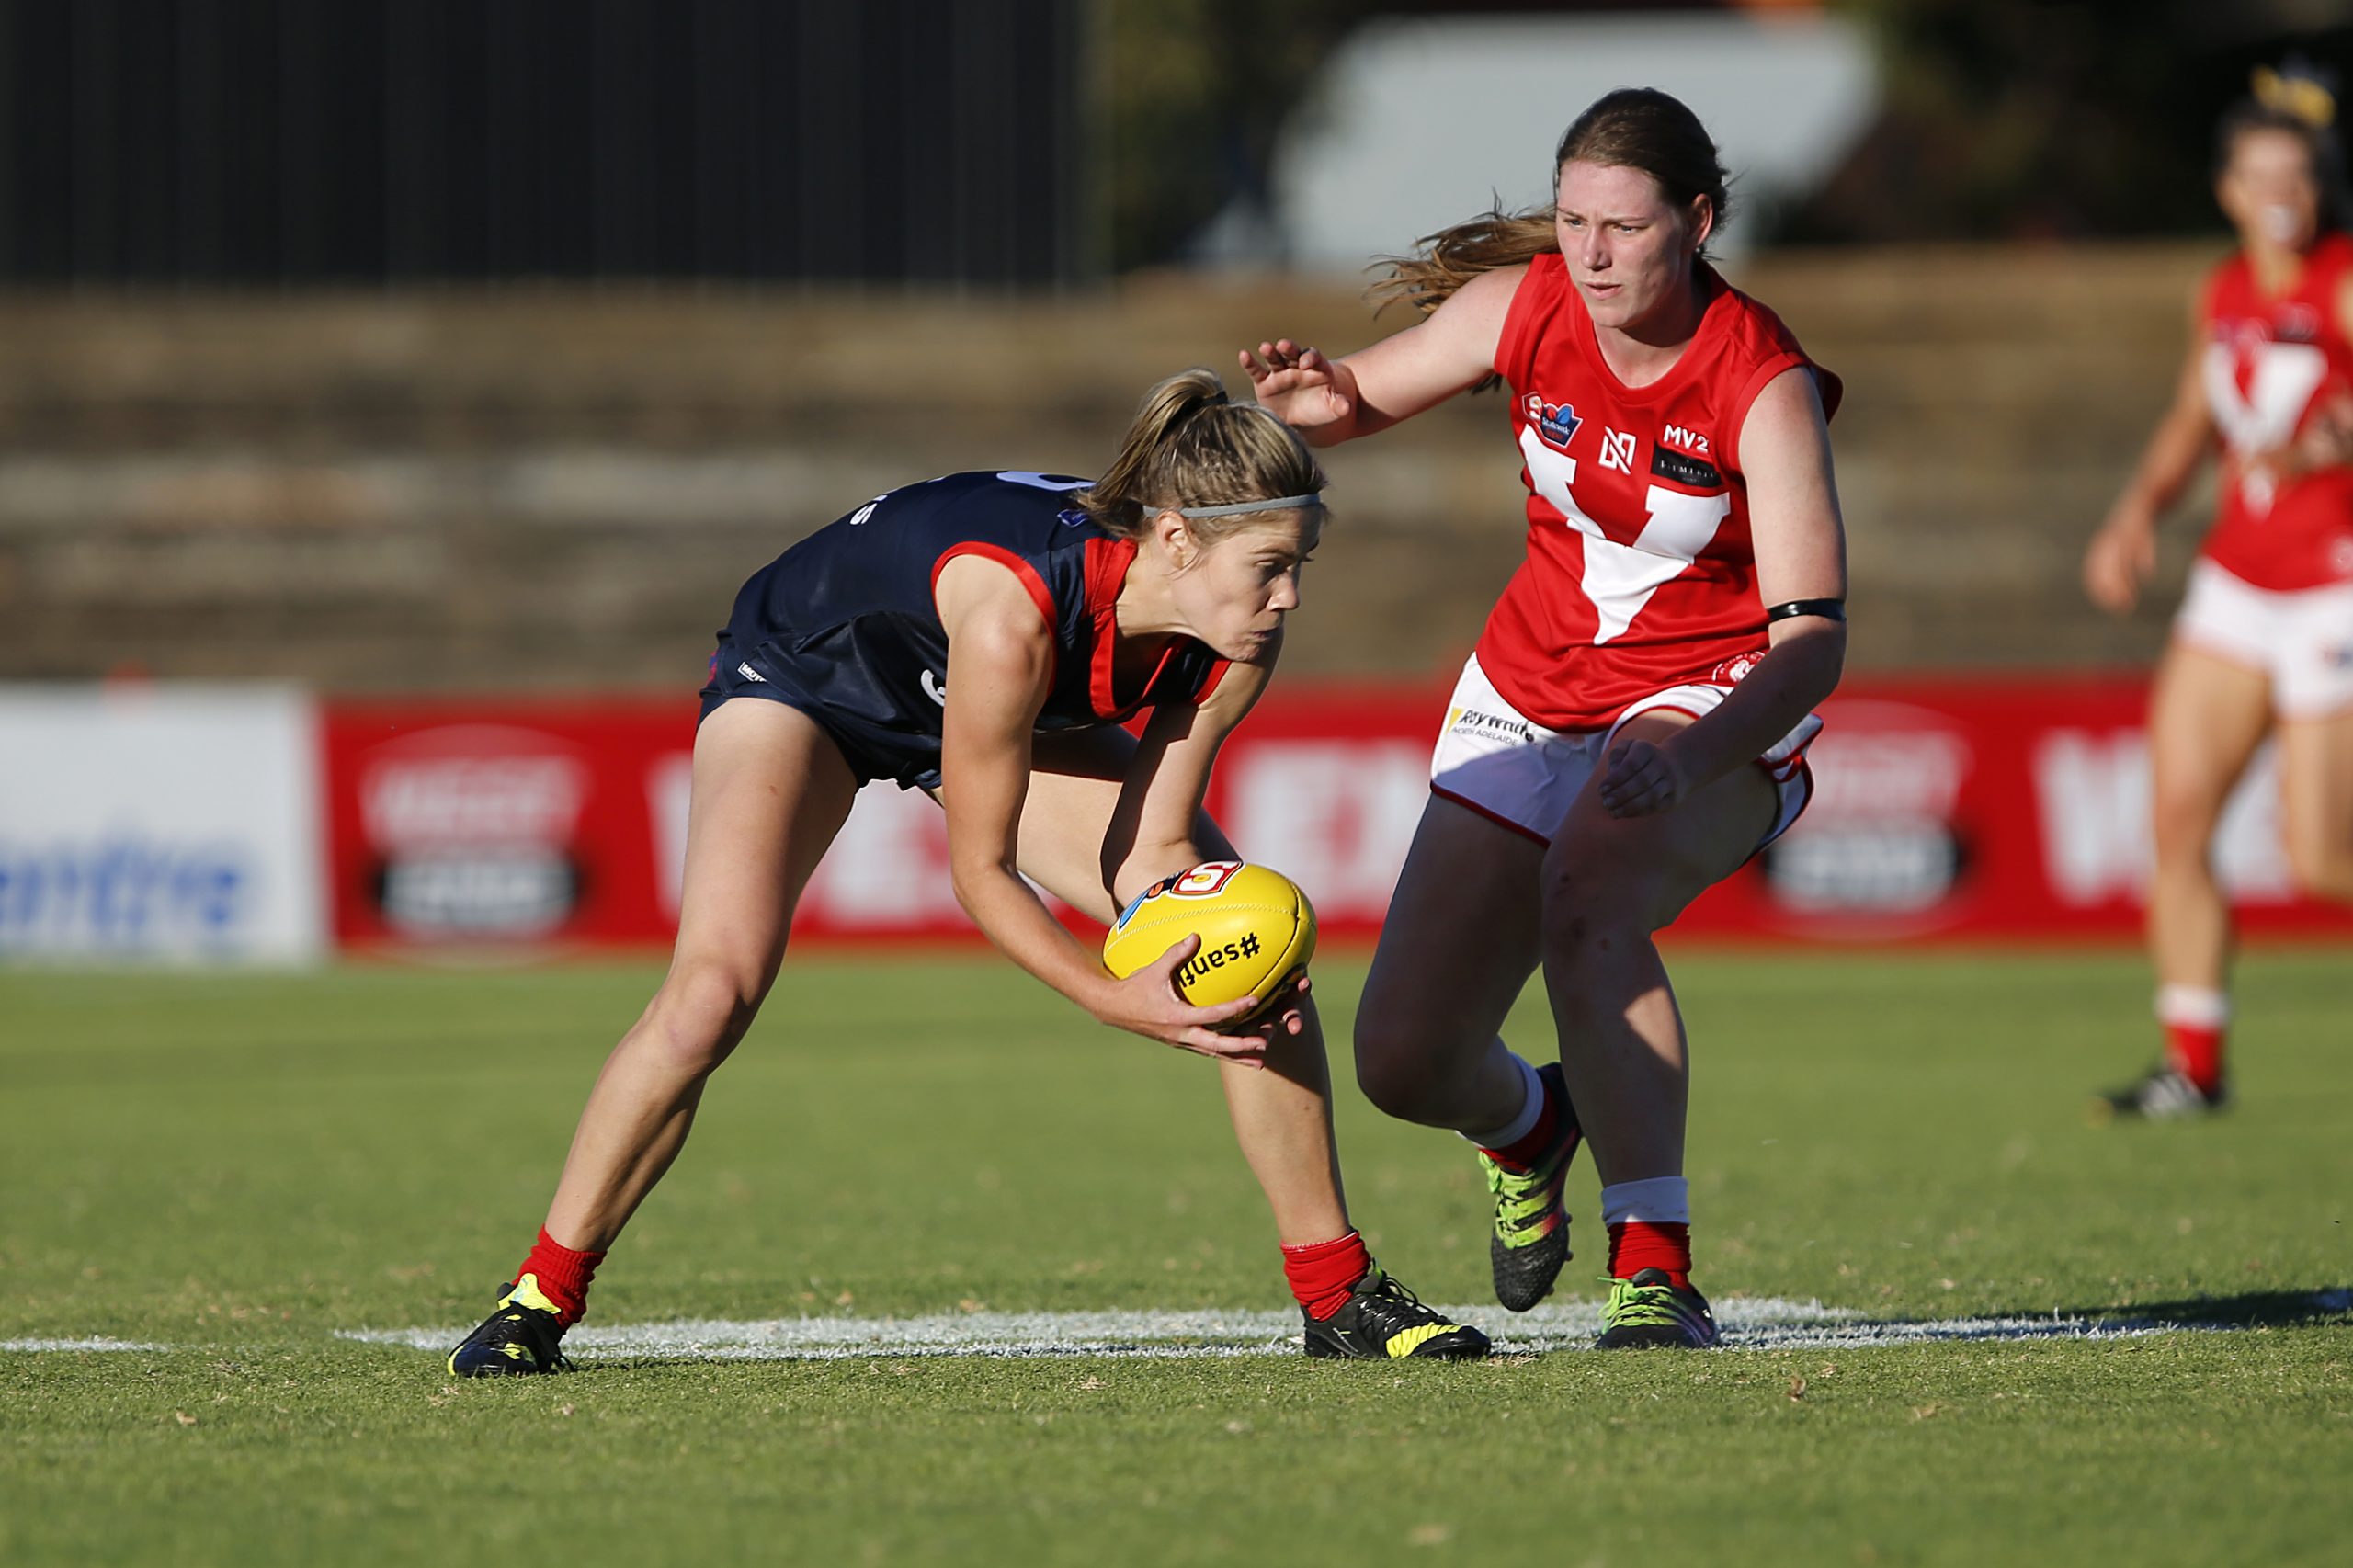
[(274, 141)]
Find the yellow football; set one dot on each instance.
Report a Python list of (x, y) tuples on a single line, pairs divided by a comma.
[(1257, 929)]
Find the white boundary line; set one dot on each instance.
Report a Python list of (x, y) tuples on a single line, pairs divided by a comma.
[(1748, 1324)]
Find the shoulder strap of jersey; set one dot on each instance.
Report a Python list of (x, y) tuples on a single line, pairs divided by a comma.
[(1532, 306)]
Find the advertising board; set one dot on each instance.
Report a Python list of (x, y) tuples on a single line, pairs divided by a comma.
[(2015, 809), (174, 823)]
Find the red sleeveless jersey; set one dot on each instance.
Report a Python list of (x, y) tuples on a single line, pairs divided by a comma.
[(2268, 364), (1639, 572)]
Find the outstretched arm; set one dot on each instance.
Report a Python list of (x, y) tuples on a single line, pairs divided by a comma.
[(1000, 667), (1330, 401)]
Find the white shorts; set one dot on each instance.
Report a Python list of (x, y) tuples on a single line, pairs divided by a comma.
[(2302, 639), (1512, 770)]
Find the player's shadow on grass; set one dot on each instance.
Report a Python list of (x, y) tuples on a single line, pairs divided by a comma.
[(2251, 1309)]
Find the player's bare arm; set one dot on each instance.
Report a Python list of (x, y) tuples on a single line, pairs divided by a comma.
[(1001, 661), (1800, 549), (2122, 555), (1330, 401), (1152, 834)]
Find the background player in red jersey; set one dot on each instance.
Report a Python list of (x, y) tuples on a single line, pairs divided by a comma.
[(2264, 640), (1632, 727), (983, 636)]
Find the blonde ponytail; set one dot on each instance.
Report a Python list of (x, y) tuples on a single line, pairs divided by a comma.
[(1191, 446)]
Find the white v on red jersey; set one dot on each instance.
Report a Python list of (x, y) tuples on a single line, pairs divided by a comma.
[(1639, 572), (2270, 363)]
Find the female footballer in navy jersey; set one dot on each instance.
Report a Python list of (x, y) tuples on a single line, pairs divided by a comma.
[(981, 636)]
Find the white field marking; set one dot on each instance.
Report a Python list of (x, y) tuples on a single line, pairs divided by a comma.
[(99, 1343), (1764, 1323)]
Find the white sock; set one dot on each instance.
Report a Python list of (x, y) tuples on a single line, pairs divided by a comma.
[(1531, 1107), (2193, 1006), (1660, 1201)]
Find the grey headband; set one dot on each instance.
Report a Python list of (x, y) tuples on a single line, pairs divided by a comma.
[(1277, 504)]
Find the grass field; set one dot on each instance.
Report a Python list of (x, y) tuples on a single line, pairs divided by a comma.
[(237, 1173)]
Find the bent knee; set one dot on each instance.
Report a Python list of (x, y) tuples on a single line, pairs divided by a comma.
[(703, 1010), (2183, 821)]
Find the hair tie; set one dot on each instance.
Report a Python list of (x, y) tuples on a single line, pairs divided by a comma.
[(1274, 504), (2291, 93)]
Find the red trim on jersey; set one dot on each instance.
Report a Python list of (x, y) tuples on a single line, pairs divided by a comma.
[(1475, 809), (1006, 558), (1106, 571), (1029, 579)]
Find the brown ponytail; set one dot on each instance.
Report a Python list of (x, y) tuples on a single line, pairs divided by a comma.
[(1191, 447), (1634, 128)]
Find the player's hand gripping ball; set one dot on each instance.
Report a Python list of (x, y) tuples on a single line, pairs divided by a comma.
[(1257, 931)]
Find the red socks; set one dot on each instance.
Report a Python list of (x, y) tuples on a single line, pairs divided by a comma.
[(1322, 1276), (2195, 1019), (1637, 1245), (563, 1275), (1521, 1152), (2197, 1054)]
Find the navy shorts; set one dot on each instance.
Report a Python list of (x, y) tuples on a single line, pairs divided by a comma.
[(909, 761)]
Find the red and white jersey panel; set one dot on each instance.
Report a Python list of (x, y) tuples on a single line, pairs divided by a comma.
[(2270, 363), (1639, 574)]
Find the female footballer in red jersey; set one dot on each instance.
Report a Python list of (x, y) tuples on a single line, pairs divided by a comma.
[(1632, 725), (983, 636), (2263, 643)]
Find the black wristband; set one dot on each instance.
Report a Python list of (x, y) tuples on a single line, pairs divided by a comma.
[(1828, 609)]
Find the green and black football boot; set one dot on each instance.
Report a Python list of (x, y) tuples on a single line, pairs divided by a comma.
[(1648, 1313), (1530, 1238), (524, 1336)]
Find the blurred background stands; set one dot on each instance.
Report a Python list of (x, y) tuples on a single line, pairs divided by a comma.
[(490, 342)]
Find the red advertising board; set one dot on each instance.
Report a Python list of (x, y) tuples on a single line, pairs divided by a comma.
[(1981, 810)]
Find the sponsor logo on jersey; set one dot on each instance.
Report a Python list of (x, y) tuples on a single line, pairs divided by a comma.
[(1617, 450), (2298, 323), (1696, 473), (1689, 440), (933, 688), (1070, 517), (1556, 423), (748, 673), (1732, 672)]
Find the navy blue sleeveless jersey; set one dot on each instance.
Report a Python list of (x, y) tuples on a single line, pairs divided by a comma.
[(844, 627)]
